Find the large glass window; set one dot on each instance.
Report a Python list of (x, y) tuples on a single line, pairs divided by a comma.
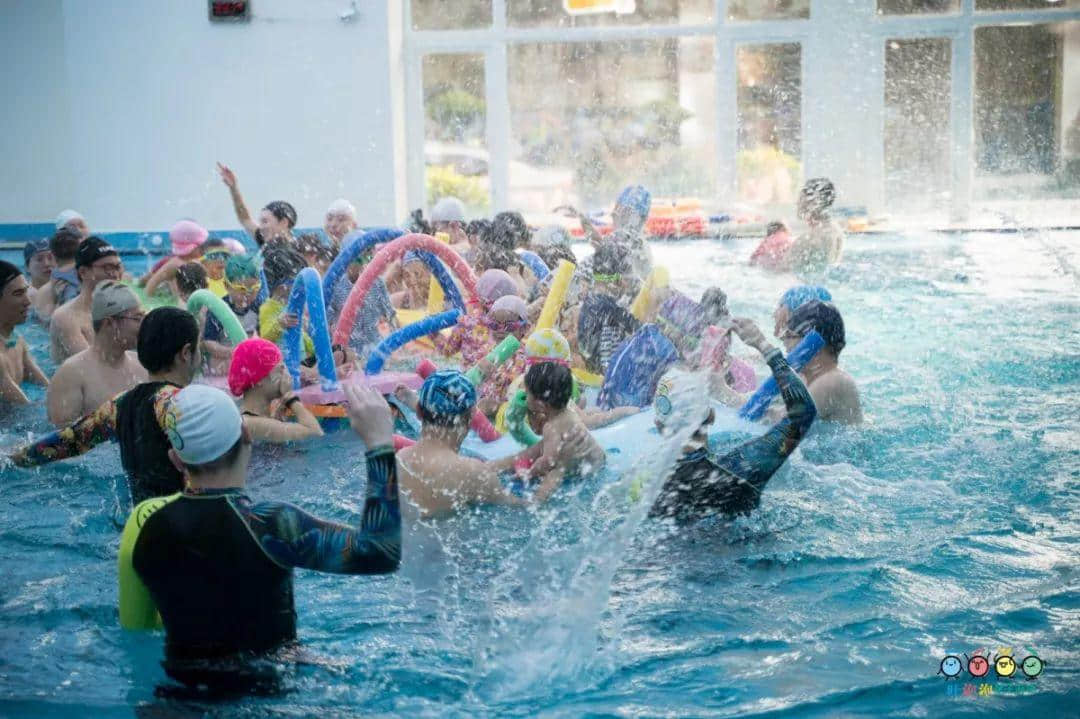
[(916, 7), (455, 154), (589, 118), (769, 104), (1027, 111), (767, 9), (553, 13), (450, 14), (917, 100), (1024, 4)]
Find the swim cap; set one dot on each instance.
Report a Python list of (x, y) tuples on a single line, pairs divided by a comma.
[(253, 360), (636, 198), (547, 345), (236, 247), (91, 250), (448, 209), (820, 189), (186, 236), (240, 266), (202, 423), (799, 295), (494, 284), (679, 390), (110, 299), (447, 393), (282, 211), (33, 247), (341, 206), (822, 317), (611, 259), (8, 272), (511, 303), (67, 216), (282, 264)]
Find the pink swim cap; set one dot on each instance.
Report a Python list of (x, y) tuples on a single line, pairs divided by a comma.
[(186, 236), (253, 360), (493, 284)]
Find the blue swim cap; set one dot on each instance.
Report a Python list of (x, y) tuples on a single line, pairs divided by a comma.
[(446, 394), (410, 257), (637, 198), (799, 295)]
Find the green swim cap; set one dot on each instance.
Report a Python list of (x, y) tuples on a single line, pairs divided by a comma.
[(240, 266)]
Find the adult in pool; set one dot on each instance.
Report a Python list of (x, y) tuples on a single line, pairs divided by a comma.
[(16, 364), (63, 284), (168, 347), (105, 368), (702, 484), (276, 220), (72, 327), (823, 242), (340, 220), (218, 567), (39, 262)]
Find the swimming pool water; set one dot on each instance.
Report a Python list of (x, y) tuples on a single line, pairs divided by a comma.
[(950, 522)]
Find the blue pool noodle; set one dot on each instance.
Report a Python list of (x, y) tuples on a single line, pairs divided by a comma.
[(803, 353), (432, 323), (535, 263), (355, 244), (442, 276), (307, 288)]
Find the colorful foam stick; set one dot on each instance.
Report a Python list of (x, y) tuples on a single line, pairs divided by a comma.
[(217, 307), (498, 354), (355, 244), (517, 421), (560, 285), (658, 279), (478, 422), (391, 252), (307, 289), (797, 358), (535, 264), (405, 335)]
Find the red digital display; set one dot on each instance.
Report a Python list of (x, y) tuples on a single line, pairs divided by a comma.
[(229, 9)]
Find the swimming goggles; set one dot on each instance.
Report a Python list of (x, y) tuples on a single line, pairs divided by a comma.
[(216, 257), (612, 278), (509, 327), (252, 286)]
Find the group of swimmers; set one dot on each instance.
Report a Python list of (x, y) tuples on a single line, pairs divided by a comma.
[(214, 567)]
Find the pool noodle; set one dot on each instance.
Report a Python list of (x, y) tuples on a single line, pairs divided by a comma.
[(537, 265), (307, 288), (560, 285), (441, 277), (498, 354), (517, 422), (797, 358), (658, 279), (354, 245), (426, 326), (436, 298), (205, 298)]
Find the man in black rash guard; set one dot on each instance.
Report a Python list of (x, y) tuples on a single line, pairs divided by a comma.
[(168, 347), (218, 567), (702, 484)]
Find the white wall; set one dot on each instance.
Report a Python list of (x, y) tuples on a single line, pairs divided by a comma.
[(120, 108)]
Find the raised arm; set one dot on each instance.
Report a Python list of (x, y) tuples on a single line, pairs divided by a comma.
[(242, 214)]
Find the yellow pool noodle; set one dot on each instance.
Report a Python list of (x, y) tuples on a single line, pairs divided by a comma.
[(560, 285), (659, 279), (436, 300)]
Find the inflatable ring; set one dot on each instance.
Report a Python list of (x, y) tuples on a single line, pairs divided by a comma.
[(560, 285), (797, 359), (405, 335), (393, 251), (307, 289), (535, 264), (221, 312)]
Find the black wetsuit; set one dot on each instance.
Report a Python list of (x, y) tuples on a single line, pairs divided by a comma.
[(703, 485)]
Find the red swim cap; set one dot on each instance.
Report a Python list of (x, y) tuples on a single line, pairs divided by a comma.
[(253, 360)]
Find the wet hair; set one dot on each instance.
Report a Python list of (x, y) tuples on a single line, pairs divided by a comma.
[(65, 243), (163, 333), (282, 211), (611, 258), (281, 264), (551, 254), (477, 228), (417, 223), (773, 227), (822, 191), (822, 317), (308, 243), (8, 272), (191, 276), (509, 231), (551, 383), (714, 305)]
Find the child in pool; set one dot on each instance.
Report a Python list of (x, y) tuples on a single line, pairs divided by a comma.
[(548, 387)]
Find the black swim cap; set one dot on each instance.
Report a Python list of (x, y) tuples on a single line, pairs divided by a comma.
[(91, 250), (822, 317), (8, 272), (283, 211), (822, 191), (611, 258), (281, 264)]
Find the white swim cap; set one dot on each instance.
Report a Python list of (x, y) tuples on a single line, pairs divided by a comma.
[(681, 400), (341, 206), (203, 423), (67, 216), (448, 209)]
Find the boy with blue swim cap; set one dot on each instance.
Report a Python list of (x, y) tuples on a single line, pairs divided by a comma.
[(794, 298), (834, 390)]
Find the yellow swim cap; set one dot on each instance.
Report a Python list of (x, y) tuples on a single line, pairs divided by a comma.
[(547, 344)]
